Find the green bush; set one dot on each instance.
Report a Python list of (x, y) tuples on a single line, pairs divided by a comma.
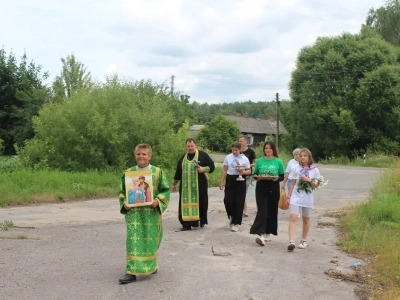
[(9, 164), (100, 127), (219, 134), (1, 146)]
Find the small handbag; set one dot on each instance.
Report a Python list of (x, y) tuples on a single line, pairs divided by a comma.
[(283, 200)]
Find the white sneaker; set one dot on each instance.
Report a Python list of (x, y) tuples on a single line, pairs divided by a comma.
[(267, 237), (291, 246), (303, 244), (235, 228), (260, 240)]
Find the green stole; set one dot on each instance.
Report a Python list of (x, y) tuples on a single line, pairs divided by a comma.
[(190, 189)]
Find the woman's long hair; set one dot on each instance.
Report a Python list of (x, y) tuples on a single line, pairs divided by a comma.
[(310, 158), (273, 147)]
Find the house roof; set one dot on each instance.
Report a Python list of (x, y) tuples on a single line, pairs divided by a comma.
[(195, 127), (255, 125)]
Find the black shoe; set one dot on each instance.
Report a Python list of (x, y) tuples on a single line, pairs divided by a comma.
[(202, 225), (185, 228), (128, 278)]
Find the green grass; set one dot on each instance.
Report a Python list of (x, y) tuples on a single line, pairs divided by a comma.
[(373, 229), (18, 237), (5, 225), (27, 187), (372, 160)]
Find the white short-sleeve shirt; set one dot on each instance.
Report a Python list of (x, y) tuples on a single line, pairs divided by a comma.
[(301, 198), (290, 166), (233, 160)]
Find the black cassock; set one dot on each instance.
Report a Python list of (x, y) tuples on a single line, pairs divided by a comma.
[(205, 161)]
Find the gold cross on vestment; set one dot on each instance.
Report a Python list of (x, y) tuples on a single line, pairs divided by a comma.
[(146, 269), (135, 252), (135, 238), (148, 253), (135, 224)]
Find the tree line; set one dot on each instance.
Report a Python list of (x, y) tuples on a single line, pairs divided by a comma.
[(344, 100)]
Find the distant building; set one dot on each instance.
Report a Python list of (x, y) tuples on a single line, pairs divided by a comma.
[(194, 130), (257, 130)]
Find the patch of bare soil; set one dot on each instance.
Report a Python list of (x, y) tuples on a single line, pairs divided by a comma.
[(364, 274), (322, 224)]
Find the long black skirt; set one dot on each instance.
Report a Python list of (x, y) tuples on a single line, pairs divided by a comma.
[(267, 198)]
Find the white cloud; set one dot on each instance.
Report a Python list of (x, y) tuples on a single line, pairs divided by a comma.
[(112, 68), (219, 51)]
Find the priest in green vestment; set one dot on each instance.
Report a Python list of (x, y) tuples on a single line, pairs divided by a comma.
[(144, 230), (191, 172)]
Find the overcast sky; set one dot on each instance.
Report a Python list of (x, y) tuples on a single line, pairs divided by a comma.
[(218, 50)]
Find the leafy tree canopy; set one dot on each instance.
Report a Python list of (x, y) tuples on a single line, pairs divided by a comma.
[(386, 21), (344, 94), (219, 134), (73, 77), (99, 128), (22, 94), (206, 112)]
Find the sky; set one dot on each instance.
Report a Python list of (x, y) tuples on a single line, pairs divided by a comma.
[(217, 50)]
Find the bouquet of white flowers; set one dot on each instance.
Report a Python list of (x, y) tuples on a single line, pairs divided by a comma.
[(308, 188)]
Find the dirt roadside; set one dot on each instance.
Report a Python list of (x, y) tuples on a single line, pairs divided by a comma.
[(80, 250)]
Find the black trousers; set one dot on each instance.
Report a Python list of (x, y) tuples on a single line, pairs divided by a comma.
[(235, 195), (267, 198)]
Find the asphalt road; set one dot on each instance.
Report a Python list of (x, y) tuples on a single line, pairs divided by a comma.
[(80, 252)]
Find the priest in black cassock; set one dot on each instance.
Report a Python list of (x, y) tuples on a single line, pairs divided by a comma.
[(191, 172)]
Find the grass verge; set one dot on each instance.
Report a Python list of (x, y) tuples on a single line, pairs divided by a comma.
[(372, 231), (373, 160), (24, 187), (27, 187)]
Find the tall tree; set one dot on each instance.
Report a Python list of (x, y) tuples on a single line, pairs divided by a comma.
[(328, 105), (22, 94), (72, 78), (218, 134), (183, 111), (386, 21)]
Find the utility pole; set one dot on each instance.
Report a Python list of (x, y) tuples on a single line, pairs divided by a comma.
[(172, 84), (277, 118)]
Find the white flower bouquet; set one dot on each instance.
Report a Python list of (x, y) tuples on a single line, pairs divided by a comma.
[(308, 188)]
